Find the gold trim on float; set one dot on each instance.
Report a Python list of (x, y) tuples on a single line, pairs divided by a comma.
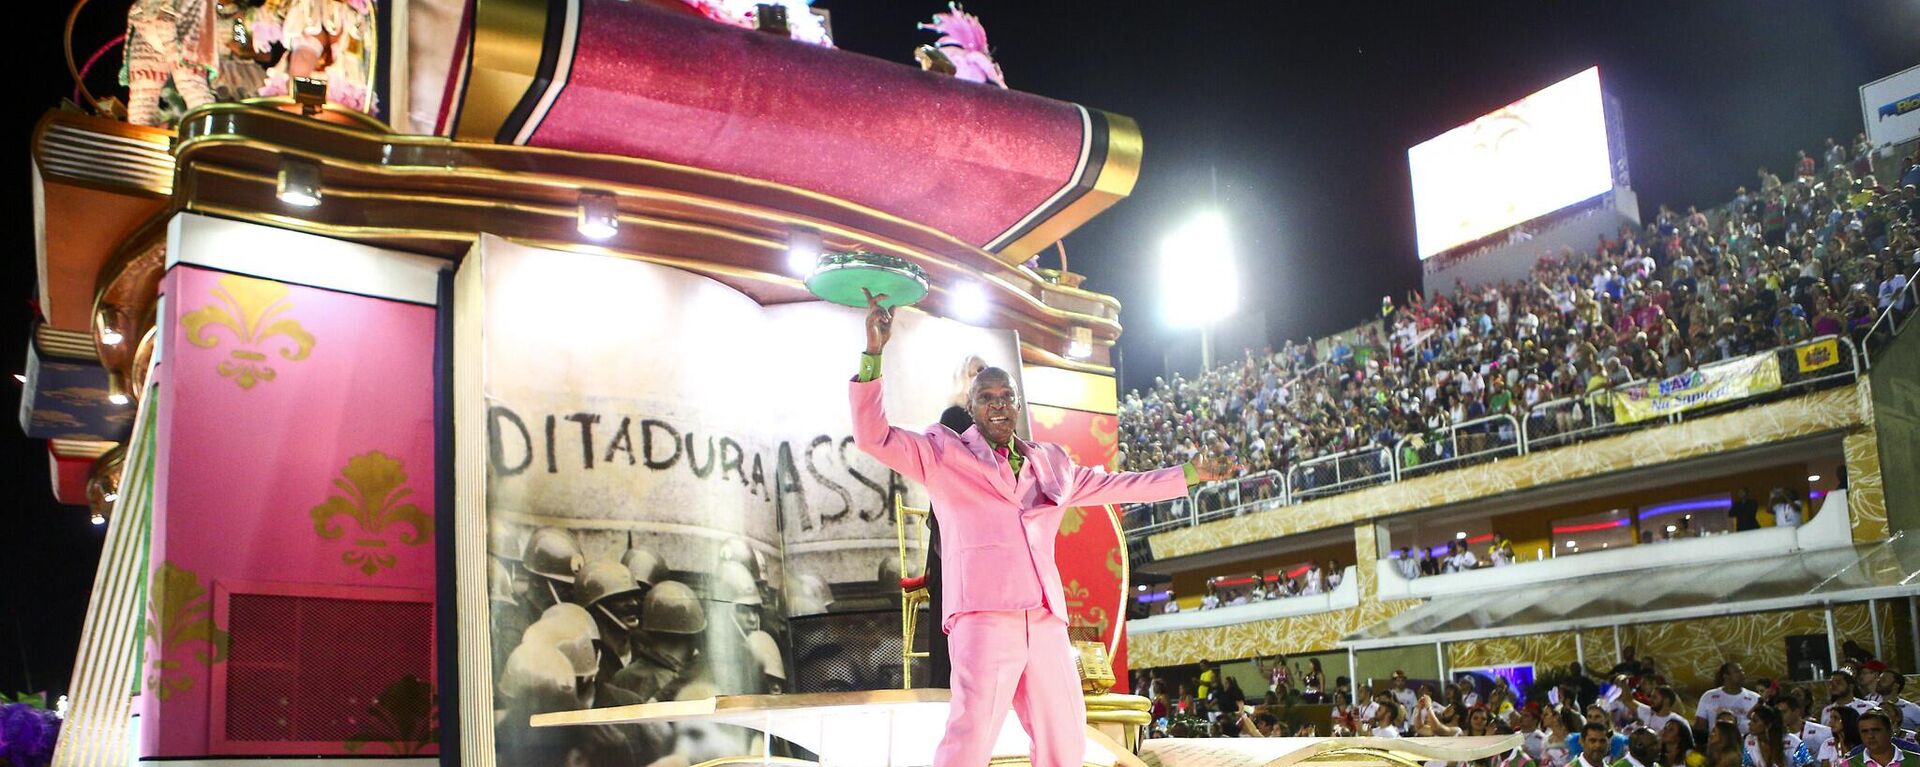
[(341, 114), (565, 215), (193, 134), (1115, 181), (503, 59), (157, 138), (1037, 355)]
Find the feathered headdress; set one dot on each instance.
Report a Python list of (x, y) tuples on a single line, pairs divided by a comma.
[(963, 43)]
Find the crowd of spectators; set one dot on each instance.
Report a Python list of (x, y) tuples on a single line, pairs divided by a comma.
[(1312, 580), (1629, 716), (1785, 261)]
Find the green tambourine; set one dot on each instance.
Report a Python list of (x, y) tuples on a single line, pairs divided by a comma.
[(840, 277)]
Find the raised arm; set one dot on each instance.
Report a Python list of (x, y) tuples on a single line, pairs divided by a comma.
[(907, 452), (1092, 487)]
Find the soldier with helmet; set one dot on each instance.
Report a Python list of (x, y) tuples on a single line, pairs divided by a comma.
[(552, 562), (608, 592), (666, 649)]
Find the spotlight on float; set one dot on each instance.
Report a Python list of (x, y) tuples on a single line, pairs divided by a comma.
[(1081, 346), (846, 278), (117, 398), (1813, 478), (803, 253), (968, 302), (298, 183), (599, 217), (98, 518), (110, 497)]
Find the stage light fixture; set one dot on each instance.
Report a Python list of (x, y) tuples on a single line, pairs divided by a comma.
[(803, 253), (1143, 588), (298, 183), (98, 518), (1569, 544), (968, 302), (1813, 478), (111, 337), (1081, 346), (20, 377), (1462, 535), (599, 217), (117, 398), (110, 497)]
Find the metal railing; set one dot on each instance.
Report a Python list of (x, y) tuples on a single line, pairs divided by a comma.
[(1546, 425), (1237, 496), (1474, 441), (1338, 473), (1892, 319), (1567, 420)]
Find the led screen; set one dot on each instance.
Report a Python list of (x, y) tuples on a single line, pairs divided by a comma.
[(1529, 158)]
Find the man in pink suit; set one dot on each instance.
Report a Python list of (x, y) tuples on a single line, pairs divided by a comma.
[(999, 500)]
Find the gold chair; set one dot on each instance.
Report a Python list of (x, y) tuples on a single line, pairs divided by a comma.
[(913, 590)]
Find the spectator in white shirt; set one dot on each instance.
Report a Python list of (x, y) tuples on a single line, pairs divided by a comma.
[(1887, 688), (1765, 734), (1840, 692), (1386, 718), (1661, 712), (1316, 581), (1786, 510), (1793, 718), (1408, 566), (1727, 695)]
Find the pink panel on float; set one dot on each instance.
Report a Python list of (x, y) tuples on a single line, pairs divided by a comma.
[(296, 448)]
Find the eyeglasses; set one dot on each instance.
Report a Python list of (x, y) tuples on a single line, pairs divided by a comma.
[(997, 401)]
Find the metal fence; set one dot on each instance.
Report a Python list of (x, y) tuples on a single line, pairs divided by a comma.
[(1338, 473), (1234, 497), (1544, 426), (1467, 442)]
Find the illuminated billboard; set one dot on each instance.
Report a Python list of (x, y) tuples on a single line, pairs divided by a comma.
[(1524, 160)]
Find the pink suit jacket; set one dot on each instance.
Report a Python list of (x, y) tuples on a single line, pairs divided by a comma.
[(996, 533)]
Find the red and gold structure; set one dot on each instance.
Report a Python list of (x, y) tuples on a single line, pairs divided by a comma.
[(245, 343)]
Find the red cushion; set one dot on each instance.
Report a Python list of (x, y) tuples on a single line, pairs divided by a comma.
[(915, 583)]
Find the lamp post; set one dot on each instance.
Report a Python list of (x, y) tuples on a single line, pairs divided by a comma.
[(1198, 274)]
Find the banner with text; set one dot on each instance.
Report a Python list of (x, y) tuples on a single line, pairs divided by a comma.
[(1707, 385), (671, 477)]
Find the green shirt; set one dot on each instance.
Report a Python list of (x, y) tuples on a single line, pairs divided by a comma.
[(870, 369)]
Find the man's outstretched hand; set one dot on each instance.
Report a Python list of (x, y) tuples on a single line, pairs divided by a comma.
[(879, 322), (1214, 467)]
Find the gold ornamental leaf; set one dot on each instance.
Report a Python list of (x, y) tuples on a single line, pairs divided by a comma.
[(1070, 521), (324, 515), (199, 321), (303, 341)]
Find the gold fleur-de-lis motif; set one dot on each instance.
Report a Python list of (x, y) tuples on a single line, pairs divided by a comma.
[(251, 309), (1071, 520), (371, 492), (179, 615)]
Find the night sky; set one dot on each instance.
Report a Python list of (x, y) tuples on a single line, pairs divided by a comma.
[(1291, 118)]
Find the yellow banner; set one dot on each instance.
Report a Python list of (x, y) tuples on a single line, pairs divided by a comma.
[(1816, 356), (1709, 385)]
